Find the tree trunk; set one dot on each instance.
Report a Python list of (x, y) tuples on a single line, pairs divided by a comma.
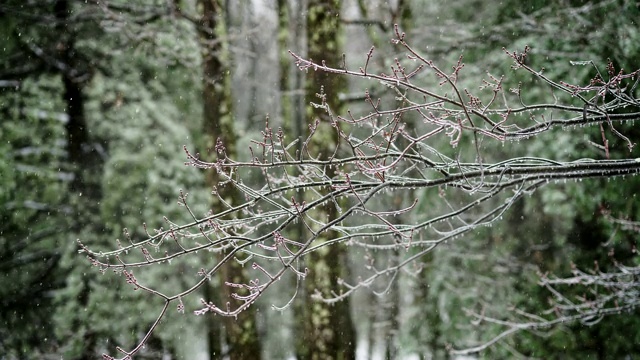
[(86, 164), (241, 332), (328, 329)]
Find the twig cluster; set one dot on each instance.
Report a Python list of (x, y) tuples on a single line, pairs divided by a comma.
[(380, 157)]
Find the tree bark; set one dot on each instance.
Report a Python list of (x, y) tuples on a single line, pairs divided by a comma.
[(328, 329), (86, 164), (241, 333)]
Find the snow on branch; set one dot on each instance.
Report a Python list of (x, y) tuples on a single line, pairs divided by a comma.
[(440, 164)]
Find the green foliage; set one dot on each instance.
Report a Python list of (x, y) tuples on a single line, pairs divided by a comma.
[(558, 224), (145, 167), (32, 213), (142, 115), (139, 108), (563, 221)]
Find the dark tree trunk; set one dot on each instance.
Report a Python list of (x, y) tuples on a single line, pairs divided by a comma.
[(86, 164), (241, 333), (328, 329)]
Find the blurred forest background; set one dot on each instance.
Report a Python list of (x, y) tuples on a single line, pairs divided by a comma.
[(98, 98)]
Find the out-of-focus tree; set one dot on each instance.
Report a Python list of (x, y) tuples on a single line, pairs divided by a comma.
[(219, 142), (574, 230), (84, 142), (43, 48), (32, 212), (326, 329)]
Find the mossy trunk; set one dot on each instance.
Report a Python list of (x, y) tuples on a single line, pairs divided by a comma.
[(240, 333), (327, 330)]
